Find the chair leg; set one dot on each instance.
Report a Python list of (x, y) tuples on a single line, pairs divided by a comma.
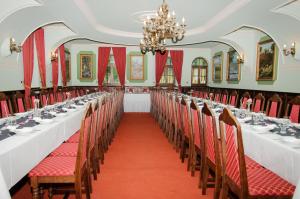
[(41, 192), (224, 191), (204, 178), (182, 150), (193, 161), (50, 193), (217, 186), (87, 186)]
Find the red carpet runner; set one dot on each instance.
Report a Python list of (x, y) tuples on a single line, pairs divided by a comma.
[(141, 164)]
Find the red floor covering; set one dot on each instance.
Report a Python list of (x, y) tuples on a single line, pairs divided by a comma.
[(140, 164)]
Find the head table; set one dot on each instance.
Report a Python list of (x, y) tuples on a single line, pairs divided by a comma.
[(24, 150)]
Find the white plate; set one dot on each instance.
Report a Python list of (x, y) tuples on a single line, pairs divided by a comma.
[(24, 130), (45, 121), (291, 140)]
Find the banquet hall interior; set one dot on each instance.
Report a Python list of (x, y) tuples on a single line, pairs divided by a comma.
[(159, 99)]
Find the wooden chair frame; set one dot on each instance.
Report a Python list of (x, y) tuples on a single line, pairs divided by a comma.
[(274, 98), (259, 96)]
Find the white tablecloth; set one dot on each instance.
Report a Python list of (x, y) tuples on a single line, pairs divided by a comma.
[(137, 102), (270, 150), (21, 152)]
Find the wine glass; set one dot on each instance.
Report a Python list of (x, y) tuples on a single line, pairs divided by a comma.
[(284, 124)]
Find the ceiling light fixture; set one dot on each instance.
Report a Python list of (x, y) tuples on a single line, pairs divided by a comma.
[(159, 28)]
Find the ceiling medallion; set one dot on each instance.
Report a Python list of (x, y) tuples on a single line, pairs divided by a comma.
[(159, 28)]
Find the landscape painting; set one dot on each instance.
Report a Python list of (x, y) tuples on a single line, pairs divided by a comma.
[(265, 66), (137, 67), (217, 67), (233, 66)]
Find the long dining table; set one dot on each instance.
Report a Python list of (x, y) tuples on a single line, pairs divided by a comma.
[(24, 150), (265, 144)]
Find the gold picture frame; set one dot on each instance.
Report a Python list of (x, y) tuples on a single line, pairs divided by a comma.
[(137, 68), (266, 60), (233, 70), (217, 67), (86, 67)]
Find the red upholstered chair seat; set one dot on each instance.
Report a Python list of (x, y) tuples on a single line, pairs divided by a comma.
[(251, 164), (66, 149), (54, 166), (74, 138), (262, 182)]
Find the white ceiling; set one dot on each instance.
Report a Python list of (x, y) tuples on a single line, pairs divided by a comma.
[(116, 21)]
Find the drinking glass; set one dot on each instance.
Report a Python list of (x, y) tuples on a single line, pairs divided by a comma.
[(284, 124)]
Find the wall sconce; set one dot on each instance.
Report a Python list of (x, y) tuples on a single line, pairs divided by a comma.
[(13, 46), (240, 59), (291, 51), (54, 56)]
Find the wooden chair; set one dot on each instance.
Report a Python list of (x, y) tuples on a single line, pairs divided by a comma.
[(274, 105), (217, 96), (258, 103), (44, 98), (5, 105), (238, 177), (178, 125), (233, 99), (66, 173), (243, 100), (33, 96), (186, 134), (293, 109), (52, 98), (19, 102), (211, 152), (171, 118), (224, 97), (197, 140)]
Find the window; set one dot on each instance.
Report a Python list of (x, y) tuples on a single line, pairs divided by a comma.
[(199, 71), (111, 76), (168, 77)]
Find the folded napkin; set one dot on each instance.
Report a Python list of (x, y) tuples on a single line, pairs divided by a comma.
[(29, 123), (5, 134)]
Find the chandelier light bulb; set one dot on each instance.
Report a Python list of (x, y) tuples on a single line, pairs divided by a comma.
[(173, 13), (183, 20), (169, 16)]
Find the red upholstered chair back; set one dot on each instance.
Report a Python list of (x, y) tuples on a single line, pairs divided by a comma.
[(210, 137), (44, 100), (258, 103), (196, 124), (205, 95), (172, 108), (201, 94), (233, 98), (60, 97), (292, 110), (52, 98), (274, 106), (217, 97), (84, 141), (224, 97), (5, 105), (185, 118), (232, 150), (19, 102), (243, 101), (178, 113), (94, 125)]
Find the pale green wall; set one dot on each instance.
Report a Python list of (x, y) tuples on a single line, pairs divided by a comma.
[(288, 70)]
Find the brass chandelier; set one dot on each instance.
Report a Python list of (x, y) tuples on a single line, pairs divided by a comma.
[(159, 28)]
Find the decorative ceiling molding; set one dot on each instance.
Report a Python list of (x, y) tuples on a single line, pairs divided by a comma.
[(290, 8), (219, 17), (13, 6), (85, 9)]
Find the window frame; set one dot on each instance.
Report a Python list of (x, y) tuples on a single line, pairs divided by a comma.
[(109, 66), (199, 67), (166, 68)]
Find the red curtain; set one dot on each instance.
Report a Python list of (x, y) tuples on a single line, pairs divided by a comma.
[(27, 51), (63, 64), (103, 57), (160, 62), (177, 60), (120, 60), (40, 48), (55, 73)]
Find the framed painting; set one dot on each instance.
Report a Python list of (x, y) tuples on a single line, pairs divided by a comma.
[(217, 64), (265, 63), (86, 67), (68, 64), (233, 66), (137, 69)]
